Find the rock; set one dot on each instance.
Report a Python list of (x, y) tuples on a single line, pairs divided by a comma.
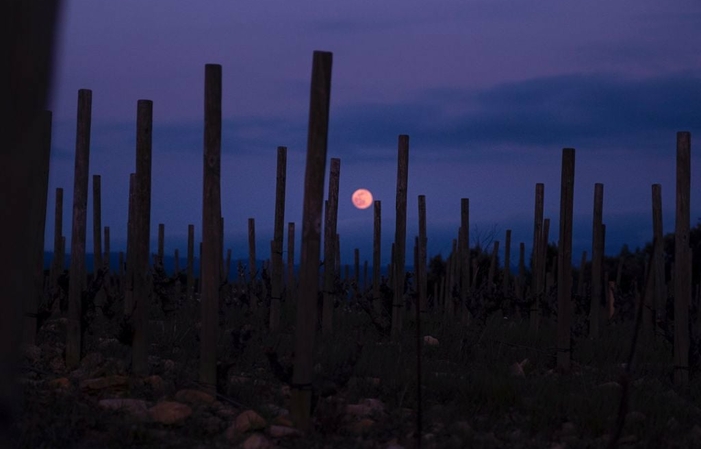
[(227, 412), (194, 397), (430, 341), (249, 420), (170, 412), (568, 429), (283, 432), (283, 420), (168, 365), (517, 368), (102, 383), (257, 441), (135, 407), (61, 383), (155, 382)]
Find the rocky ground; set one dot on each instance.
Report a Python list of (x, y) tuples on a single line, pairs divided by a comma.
[(99, 405)]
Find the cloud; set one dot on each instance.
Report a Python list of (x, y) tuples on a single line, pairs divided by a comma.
[(605, 111)]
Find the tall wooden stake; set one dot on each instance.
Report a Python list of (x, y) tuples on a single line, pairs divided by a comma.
[(400, 234), (276, 258), (682, 266), (330, 247), (301, 394), (140, 344), (564, 263), (80, 205), (210, 262)]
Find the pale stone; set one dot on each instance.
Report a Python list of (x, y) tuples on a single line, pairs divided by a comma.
[(249, 420), (194, 397), (430, 341), (169, 412), (283, 432), (155, 382), (104, 382), (257, 441), (61, 383), (136, 407)]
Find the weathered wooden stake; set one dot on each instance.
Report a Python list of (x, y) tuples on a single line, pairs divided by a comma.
[(597, 261), (96, 223), (210, 261), (331, 249), (300, 401), (537, 264), (376, 252), (421, 279), (80, 204), (140, 344), (277, 274), (564, 263), (161, 242), (190, 287), (400, 234), (291, 283), (682, 267), (57, 263), (660, 300)]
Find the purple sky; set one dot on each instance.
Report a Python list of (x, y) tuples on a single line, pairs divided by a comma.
[(489, 92)]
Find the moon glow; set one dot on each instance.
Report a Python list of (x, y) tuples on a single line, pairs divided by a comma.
[(362, 198)]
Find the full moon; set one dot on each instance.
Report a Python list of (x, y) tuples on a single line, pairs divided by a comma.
[(362, 198)]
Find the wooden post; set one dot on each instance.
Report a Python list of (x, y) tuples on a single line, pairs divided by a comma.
[(27, 57), (330, 248), (300, 401), (80, 204), (128, 283), (376, 252), (597, 261), (564, 263), (252, 269), (537, 262), (96, 223), (140, 344), (421, 280), (57, 264), (660, 300), (521, 283), (400, 234), (365, 275), (190, 288), (106, 258), (277, 273), (161, 242), (210, 262), (39, 146), (507, 265), (291, 287), (462, 260), (682, 266), (356, 265)]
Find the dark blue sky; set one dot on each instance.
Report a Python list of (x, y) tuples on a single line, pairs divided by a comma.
[(489, 92)]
